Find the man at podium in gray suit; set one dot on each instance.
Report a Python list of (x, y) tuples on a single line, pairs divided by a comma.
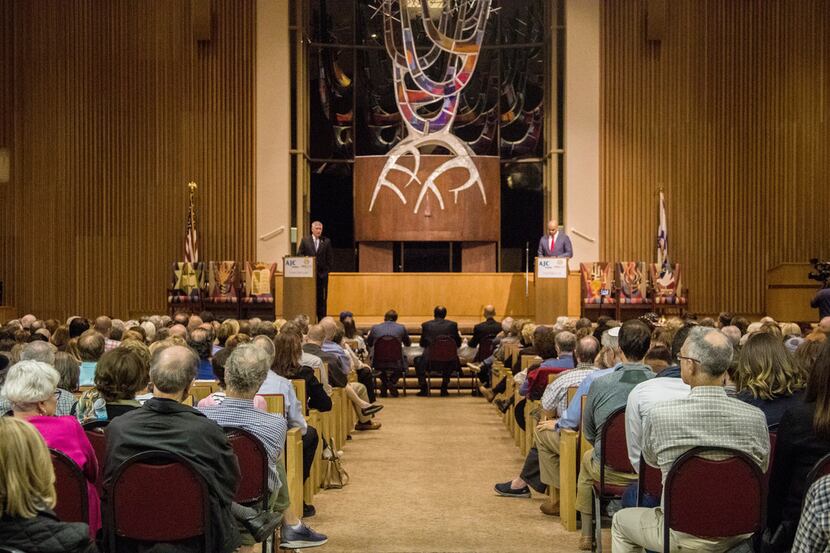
[(555, 243)]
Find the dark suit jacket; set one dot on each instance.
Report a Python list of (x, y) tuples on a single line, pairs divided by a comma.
[(430, 330), (389, 328), (337, 378), (170, 426), (324, 254), (490, 327), (561, 248)]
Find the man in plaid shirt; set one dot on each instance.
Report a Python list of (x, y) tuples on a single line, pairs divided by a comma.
[(813, 533), (706, 417)]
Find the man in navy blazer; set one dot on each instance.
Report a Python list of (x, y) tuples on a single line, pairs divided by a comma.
[(430, 330), (555, 243), (390, 327)]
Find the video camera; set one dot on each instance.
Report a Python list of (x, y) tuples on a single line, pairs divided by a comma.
[(821, 273)]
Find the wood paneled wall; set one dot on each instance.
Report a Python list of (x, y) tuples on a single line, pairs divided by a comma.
[(109, 109), (729, 112)]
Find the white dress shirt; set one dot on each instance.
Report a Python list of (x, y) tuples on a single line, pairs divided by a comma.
[(642, 398)]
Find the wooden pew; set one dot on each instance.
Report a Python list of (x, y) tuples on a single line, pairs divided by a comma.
[(294, 467), (528, 360), (202, 389), (570, 451)]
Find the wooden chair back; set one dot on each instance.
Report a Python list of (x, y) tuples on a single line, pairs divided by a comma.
[(274, 403)]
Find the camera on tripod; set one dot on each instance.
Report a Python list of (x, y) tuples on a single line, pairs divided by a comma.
[(821, 273)]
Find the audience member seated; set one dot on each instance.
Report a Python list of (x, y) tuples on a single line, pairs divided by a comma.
[(352, 335), (665, 385), (606, 395), (390, 327), (767, 377), (46, 353), (31, 388), (430, 330), (246, 369), (489, 328), (200, 341), (557, 353), (90, 349), (216, 398), (27, 486), (165, 423), (706, 417), (814, 526), (77, 326), (276, 384), (287, 362), (803, 438), (120, 376), (307, 359), (554, 402), (337, 374), (362, 370)]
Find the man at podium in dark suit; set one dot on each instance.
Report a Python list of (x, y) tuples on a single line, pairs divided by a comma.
[(430, 330), (319, 247), (555, 243)]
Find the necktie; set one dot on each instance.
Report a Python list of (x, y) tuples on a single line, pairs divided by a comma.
[(316, 244), (550, 247)]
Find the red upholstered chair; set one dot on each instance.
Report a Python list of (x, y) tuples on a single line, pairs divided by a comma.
[(713, 492), (223, 288), (613, 455), (253, 466), (387, 355), (186, 286), (649, 481), (632, 291), (156, 496), (667, 288), (95, 434), (70, 487), (443, 356), (597, 284)]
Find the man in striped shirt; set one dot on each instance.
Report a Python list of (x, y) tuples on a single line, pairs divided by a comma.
[(245, 372)]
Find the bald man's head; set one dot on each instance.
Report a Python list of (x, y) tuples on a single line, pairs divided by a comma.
[(103, 326), (317, 334), (178, 330), (173, 369), (329, 327), (824, 325), (489, 311)]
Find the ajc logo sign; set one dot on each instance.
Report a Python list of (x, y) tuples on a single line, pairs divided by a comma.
[(298, 267)]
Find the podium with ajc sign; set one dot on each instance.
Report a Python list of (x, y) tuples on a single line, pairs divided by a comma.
[(299, 289), (551, 288)]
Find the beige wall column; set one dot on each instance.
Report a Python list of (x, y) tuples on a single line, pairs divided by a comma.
[(582, 127), (273, 128)]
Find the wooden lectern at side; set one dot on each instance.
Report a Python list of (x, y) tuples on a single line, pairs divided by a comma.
[(551, 283), (299, 288)]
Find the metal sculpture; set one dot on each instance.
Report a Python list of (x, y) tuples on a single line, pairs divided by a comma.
[(416, 91)]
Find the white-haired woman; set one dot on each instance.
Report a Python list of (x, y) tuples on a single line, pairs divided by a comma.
[(32, 389)]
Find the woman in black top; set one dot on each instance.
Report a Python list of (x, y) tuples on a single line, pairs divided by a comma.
[(803, 438), (767, 377), (288, 352)]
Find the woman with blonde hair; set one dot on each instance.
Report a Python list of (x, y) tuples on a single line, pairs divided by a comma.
[(768, 377), (32, 389), (27, 496)]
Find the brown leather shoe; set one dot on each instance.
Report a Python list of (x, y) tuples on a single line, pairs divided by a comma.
[(487, 393), (550, 508), (371, 425), (585, 543)]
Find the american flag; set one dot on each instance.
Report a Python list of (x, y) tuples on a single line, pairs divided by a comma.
[(191, 236), (663, 240)]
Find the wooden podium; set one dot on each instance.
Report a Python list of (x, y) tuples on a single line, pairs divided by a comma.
[(789, 293), (299, 288), (551, 280)]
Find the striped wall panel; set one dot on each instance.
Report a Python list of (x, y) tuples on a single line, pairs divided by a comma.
[(109, 109), (729, 112)]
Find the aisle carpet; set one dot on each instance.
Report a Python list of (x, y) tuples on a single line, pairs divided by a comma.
[(424, 484)]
